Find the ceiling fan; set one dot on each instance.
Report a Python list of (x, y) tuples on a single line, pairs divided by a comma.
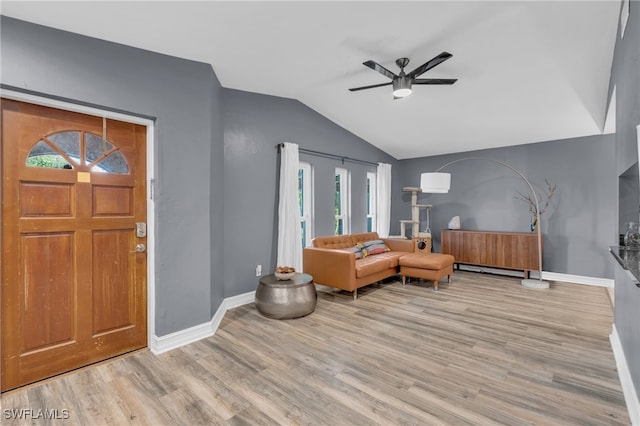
[(402, 82)]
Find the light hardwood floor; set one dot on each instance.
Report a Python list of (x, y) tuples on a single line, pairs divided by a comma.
[(482, 350)]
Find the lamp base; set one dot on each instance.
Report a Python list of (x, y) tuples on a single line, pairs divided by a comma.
[(531, 283)]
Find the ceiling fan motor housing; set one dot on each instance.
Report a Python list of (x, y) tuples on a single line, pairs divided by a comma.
[(402, 86)]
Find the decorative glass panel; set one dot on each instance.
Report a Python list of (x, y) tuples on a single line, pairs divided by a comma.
[(42, 155), (114, 163), (68, 142), (95, 147), (109, 159)]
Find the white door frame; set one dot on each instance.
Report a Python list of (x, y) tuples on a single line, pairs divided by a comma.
[(150, 196)]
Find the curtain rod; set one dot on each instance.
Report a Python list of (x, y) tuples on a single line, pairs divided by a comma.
[(327, 155)]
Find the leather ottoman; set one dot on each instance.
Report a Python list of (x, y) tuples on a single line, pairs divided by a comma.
[(432, 266)]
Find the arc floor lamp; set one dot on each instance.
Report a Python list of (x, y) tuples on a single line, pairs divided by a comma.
[(438, 182)]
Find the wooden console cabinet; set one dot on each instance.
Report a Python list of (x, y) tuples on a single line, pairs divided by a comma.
[(506, 250)]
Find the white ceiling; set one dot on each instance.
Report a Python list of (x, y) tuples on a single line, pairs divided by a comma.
[(527, 71)]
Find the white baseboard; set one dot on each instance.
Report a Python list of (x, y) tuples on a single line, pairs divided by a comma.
[(630, 395), (161, 344), (239, 300), (577, 279), (552, 276)]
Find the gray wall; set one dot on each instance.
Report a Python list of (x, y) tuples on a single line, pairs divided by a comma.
[(180, 95), (578, 226), (254, 125), (625, 76), (216, 204), (629, 197)]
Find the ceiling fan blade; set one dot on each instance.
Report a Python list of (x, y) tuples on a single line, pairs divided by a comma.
[(370, 87), (435, 80), (429, 64), (382, 70)]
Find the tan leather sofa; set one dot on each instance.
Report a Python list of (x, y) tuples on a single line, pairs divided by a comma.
[(331, 265)]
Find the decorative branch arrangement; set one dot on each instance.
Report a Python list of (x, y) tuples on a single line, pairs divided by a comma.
[(551, 190)]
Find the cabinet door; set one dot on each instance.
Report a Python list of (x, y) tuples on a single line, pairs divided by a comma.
[(452, 244), (475, 248)]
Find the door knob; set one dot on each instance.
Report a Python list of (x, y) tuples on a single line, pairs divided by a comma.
[(140, 248)]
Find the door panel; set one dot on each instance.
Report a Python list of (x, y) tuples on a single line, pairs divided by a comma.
[(112, 201), (48, 294), (45, 199), (112, 299), (73, 287)]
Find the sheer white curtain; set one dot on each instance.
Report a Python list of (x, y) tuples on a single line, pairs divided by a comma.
[(383, 207), (289, 233)]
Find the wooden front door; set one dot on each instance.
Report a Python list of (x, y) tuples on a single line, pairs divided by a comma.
[(73, 287)]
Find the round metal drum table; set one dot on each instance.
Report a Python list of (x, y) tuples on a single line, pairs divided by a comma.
[(286, 299)]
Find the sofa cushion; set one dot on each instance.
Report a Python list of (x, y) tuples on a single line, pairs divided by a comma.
[(393, 257), (334, 242), (365, 236), (372, 247), (371, 265)]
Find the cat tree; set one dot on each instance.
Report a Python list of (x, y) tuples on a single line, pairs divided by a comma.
[(415, 216)]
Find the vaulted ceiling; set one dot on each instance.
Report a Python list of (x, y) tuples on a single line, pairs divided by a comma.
[(527, 71)]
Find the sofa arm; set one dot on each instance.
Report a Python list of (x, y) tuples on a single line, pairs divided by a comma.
[(334, 268), (397, 244)]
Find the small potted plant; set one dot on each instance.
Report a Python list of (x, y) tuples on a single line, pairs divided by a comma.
[(284, 272)]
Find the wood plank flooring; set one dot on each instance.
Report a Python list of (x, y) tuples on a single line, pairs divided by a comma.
[(482, 350)]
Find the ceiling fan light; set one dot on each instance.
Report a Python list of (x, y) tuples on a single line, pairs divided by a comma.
[(401, 93), (401, 87)]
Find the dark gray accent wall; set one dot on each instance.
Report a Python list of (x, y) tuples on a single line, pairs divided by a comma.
[(579, 225), (625, 76), (254, 125), (180, 95)]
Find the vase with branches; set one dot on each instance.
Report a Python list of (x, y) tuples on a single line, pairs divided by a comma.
[(550, 192)]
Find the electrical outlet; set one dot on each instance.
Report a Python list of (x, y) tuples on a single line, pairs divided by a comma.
[(258, 270)]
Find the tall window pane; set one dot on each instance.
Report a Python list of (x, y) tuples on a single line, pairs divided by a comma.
[(371, 202), (301, 191), (342, 202), (305, 198)]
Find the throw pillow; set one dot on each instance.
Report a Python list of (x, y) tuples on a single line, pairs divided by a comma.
[(355, 249), (372, 247)]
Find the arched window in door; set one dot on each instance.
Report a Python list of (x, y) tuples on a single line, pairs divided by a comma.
[(74, 149)]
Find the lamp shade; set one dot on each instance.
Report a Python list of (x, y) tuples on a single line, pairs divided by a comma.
[(435, 182)]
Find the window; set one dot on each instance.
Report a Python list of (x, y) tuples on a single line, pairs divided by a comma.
[(304, 201), (71, 149), (342, 202), (371, 202)]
